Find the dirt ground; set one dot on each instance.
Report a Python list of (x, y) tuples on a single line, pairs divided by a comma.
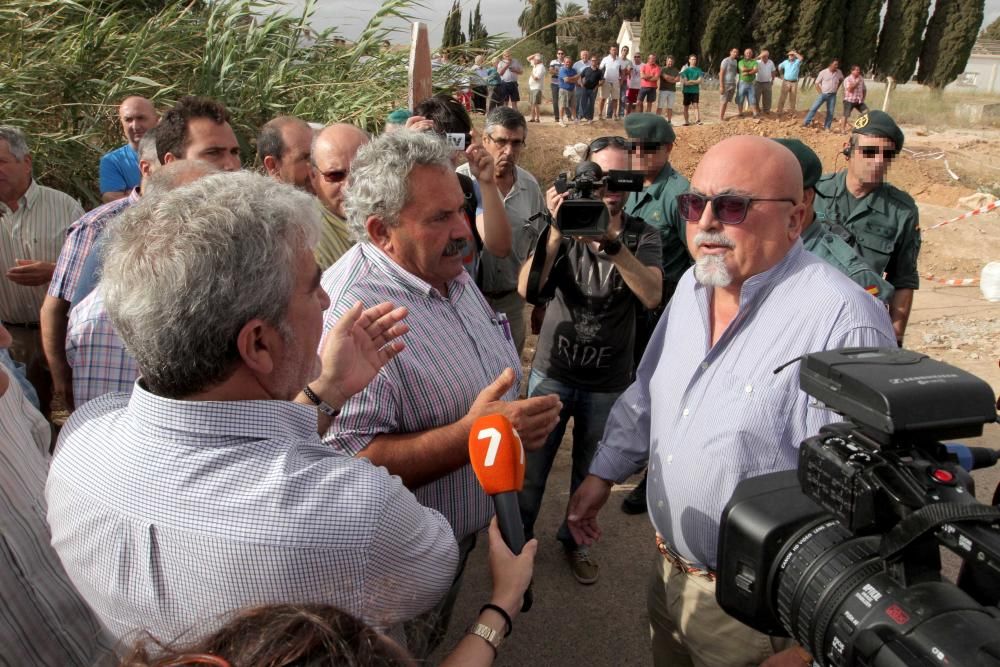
[(606, 624)]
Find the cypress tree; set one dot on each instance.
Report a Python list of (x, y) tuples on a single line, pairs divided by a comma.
[(819, 33), (773, 26), (477, 31), (992, 31), (861, 33), (665, 28), (544, 14), (699, 23), (723, 29), (951, 32), (899, 43)]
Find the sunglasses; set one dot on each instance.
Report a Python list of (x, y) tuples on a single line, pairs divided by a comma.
[(728, 209), (875, 151), (600, 143), (333, 176)]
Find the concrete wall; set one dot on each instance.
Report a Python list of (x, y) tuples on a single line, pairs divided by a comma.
[(982, 75)]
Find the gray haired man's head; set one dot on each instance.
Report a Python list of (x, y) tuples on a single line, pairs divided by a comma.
[(186, 270)]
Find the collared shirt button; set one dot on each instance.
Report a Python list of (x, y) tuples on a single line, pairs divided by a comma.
[(659, 503), (670, 459), (704, 365), (686, 412), (748, 389)]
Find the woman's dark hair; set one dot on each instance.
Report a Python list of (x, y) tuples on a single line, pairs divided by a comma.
[(279, 636)]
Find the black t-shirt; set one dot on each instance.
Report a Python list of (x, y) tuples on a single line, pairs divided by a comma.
[(669, 71), (589, 329), (591, 77)]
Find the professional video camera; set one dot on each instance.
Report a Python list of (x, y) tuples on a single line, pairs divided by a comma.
[(849, 564), (583, 213)]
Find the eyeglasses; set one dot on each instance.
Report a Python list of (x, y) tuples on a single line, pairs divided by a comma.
[(728, 209), (875, 151), (600, 143), (333, 176), (515, 144)]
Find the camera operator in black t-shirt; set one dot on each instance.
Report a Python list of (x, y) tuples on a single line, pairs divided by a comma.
[(585, 346)]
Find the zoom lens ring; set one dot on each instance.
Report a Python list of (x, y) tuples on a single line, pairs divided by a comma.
[(803, 553), (831, 602)]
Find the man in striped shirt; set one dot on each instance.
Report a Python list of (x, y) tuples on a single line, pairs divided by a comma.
[(33, 224), (406, 208), (333, 150), (754, 300)]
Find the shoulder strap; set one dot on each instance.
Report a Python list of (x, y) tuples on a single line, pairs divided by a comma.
[(537, 295)]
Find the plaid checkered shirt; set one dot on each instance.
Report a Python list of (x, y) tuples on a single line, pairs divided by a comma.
[(857, 96), (101, 364)]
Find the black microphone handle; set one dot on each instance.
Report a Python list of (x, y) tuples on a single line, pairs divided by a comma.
[(512, 529)]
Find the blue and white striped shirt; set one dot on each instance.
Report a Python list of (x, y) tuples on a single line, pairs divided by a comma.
[(455, 348), (168, 514), (707, 417)]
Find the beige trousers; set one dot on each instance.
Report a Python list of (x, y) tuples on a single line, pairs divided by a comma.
[(790, 90)]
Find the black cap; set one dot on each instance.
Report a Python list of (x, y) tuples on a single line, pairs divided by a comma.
[(812, 168), (879, 124)]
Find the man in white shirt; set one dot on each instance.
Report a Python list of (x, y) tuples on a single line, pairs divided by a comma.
[(765, 82), (611, 87)]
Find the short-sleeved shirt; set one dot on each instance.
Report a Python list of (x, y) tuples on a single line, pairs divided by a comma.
[(508, 75), (119, 170), (588, 333), (579, 66), (169, 514), (691, 73), (885, 225), (765, 71), (455, 348), (536, 71), (635, 78), (657, 206), (564, 74), (650, 70), (820, 239), (334, 239), (747, 64), (729, 70), (612, 68), (37, 231), (790, 69), (857, 95), (828, 81), (666, 85), (554, 66), (592, 77)]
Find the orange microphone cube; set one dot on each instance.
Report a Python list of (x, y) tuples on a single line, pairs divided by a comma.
[(497, 454)]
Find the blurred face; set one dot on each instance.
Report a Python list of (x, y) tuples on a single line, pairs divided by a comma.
[(584, 56), (506, 55), (637, 59), (593, 62), (560, 55), (651, 59), (791, 57), (212, 142), (624, 52), (869, 160), (734, 53), (304, 323), (650, 157), (834, 65), (567, 61), (613, 51), (15, 175), (137, 116), (505, 146), (294, 166), (748, 54), (669, 62), (692, 61), (335, 150), (433, 232), (612, 158), (764, 55), (855, 71), (727, 255)]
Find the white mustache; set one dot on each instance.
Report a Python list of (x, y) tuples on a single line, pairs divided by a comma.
[(713, 238)]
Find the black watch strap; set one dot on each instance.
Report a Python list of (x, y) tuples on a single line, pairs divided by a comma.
[(320, 404)]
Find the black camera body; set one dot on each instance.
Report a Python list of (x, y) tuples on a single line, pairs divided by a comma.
[(582, 213), (843, 553)]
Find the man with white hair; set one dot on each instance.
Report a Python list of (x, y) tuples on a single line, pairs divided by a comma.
[(209, 490), (721, 415), (406, 208)]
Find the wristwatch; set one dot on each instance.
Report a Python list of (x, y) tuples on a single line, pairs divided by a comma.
[(320, 404), (611, 247), (489, 634)]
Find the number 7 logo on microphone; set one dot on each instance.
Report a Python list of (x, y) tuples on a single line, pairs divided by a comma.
[(497, 454)]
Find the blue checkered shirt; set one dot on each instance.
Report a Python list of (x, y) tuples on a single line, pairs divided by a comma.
[(456, 346), (720, 413), (168, 514), (101, 364)]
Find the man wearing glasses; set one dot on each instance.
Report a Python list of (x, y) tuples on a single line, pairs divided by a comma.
[(504, 136), (333, 150), (884, 220), (707, 408), (594, 287), (554, 66)]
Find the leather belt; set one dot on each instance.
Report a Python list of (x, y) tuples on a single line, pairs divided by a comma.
[(682, 564)]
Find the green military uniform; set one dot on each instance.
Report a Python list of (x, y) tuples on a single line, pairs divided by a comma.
[(657, 204), (820, 239), (885, 223)]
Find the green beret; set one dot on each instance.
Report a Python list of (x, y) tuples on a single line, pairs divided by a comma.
[(879, 124), (398, 117), (812, 168), (649, 127)]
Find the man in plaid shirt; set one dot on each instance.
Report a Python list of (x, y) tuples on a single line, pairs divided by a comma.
[(854, 95)]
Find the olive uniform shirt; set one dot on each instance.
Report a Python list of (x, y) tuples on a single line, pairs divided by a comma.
[(334, 239), (657, 206), (822, 240), (885, 225)]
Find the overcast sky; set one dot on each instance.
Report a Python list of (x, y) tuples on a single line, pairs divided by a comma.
[(350, 16)]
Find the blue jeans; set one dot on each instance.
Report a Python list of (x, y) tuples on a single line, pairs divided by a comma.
[(745, 91), (581, 109), (589, 410), (829, 99), (587, 99)]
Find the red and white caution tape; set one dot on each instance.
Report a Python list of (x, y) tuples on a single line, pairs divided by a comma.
[(952, 282), (982, 209)]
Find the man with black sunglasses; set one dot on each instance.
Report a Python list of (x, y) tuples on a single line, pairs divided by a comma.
[(884, 220), (707, 408), (333, 151), (594, 287)]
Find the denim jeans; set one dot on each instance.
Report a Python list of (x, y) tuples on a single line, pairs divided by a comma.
[(580, 106), (587, 99), (589, 410), (829, 99), (745, 91)]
